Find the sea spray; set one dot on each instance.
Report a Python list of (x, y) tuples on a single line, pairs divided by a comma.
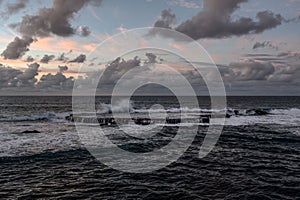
[(121, 106)]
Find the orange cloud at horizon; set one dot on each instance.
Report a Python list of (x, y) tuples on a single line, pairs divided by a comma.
[(20, 64), (57, 45), (67, 74)]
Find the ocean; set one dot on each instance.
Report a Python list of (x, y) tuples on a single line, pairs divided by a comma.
[(256, 157)]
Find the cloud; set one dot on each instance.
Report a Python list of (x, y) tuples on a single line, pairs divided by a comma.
[(56, 82), (55, 20), (260, 55), (60, 45), (27, 78), (63, 68), (83, 31), (47, 58), (17, 48), (287, 74), (264, 44), (216, 21), (62, 57), (251, 70), (16, 7), (116, 69), (8, 76), (290, 55), (80, 59), (167, 19), (151, 58), (29, 59), (48, 21), (287, 57), (15, 78), (12, 8)]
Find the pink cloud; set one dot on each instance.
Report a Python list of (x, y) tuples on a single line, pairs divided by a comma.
[(178, 46), (56, 45)]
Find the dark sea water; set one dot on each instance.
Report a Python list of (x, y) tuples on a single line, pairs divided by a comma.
[(256, 157)]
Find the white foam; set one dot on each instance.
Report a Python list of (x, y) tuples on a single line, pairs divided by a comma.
[(53, 137), (276, 116), (177, 110), (243, 117), (34, 117), (121, 106)]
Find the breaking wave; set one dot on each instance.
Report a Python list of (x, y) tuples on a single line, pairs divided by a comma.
[(33, 117), (120, 107), (238, 115)]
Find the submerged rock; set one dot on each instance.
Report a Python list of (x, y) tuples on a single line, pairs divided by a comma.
[(33, 131)]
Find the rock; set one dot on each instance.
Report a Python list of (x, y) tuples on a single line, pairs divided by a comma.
[(33, 131)]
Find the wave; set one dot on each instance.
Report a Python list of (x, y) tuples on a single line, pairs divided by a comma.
[(120, 107), (283, 114), (229, 111), (34, 117), (176, 110), (274, 116)]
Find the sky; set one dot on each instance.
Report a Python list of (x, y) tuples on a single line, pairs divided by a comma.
[(48, 47)]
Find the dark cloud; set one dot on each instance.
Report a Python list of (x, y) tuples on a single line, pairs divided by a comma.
[(8, 76), (264, 44), (287, 74), (47, 58), (166, 20), (48, 21), (256, 55), (151, 58), (55, 20), (251, 70), (17, 48), (216, 21), (14, 78), (56, 82), (80, 59), (63, 68), (83, 31), (27, 78), (242, 71), (29, 59), (116, 69)]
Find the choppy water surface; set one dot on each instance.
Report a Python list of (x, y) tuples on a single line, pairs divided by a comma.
[(257, 156)]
